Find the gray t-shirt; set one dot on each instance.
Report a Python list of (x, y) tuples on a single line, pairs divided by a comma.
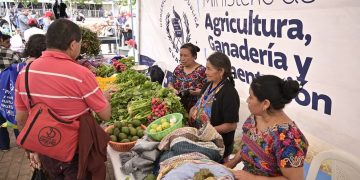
[(23, 22)]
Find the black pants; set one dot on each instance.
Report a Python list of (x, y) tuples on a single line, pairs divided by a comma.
[(58, 170), (4, 135)]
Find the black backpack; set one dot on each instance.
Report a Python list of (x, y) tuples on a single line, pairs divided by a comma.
[(156, 74)]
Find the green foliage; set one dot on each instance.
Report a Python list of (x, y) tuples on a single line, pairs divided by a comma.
[(105, 71), (78, 1), (128, 61), (125, 2), (90, 43), (132, 102)]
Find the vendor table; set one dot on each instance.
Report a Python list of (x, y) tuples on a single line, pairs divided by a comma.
[(109, 41), (115, 160)]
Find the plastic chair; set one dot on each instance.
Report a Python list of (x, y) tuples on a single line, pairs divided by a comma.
[(344, 166)]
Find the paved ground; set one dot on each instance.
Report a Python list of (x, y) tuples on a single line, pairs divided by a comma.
[(14, 164)]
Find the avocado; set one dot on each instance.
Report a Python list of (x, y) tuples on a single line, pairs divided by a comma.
[(136, 123), (140, 133), (117, 124), (110, 131), (150, 177), (139, 128), (130, 125), (134, 138), (125, 140), (125, 130), (116, 131), (133, 131), (113, 138), (123, 123), (122, 136)]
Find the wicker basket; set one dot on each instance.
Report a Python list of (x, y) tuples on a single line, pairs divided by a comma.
[(122, 147)]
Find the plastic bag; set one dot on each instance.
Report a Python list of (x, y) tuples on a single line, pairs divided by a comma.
[(7, 91)]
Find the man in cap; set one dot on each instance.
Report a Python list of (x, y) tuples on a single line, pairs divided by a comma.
[(32, 30)]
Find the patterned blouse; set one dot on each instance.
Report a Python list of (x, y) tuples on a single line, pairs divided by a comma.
[(183, 82), (265, 152)]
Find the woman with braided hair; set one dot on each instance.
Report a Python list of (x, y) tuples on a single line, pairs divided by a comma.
[(219, 103)]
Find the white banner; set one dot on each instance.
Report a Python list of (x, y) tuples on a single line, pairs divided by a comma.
[(313, 41)]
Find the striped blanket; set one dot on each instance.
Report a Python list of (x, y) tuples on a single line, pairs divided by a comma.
[(186, 144)]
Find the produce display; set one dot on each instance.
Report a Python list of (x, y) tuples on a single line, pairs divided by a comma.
[(164, 123), (136, 103), (119, 64), (163, 126), (105, 71), (158, 108), (127, 61), (133, 100)]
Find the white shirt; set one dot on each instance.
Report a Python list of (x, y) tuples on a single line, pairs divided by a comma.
[(32, 31)]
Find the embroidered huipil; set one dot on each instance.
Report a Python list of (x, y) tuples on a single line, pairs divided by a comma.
[(265, 152), (183, 82)]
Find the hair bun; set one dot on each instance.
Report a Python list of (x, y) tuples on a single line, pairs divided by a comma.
[(290, 89), (197, 48)]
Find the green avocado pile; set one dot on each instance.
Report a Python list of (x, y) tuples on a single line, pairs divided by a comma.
[(126, 132)]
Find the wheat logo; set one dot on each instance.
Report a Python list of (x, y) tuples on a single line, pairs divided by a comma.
[(177, 25), (176, 35)]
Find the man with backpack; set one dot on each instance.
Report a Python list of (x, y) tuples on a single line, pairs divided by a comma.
[(63, 92)]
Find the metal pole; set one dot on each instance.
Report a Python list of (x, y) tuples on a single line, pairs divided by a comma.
[(137, 56), (43, 7), (132, 24), (7, 11)]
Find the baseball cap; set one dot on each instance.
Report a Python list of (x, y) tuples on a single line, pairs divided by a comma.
[(32, 21), (48, 14), (131, 42)]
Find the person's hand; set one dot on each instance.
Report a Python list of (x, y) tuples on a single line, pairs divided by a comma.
[(174, 90), (243, 175), (195, 92), (34, 160), (110, 91)]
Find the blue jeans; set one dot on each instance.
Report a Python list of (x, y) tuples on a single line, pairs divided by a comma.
[(4, 135)]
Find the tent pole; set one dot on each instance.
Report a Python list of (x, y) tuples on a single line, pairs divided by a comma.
[(137, 56)]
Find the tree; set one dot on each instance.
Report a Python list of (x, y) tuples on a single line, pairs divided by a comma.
[(125, 2)]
